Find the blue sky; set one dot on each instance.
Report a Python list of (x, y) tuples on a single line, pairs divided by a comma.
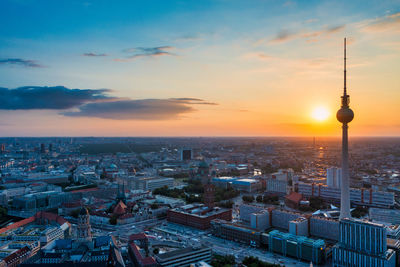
[(229, 53)]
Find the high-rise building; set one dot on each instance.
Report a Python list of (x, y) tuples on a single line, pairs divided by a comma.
[(345, 115), (362, 243), (186, 154), (42, 148), (333, 177)]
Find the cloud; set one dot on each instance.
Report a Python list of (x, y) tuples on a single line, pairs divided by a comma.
[(387, 22), (95, 103), (90, 54), (139, 52), (56, 97), (196, 101), (284, 36), (20, 61), (141, 109)]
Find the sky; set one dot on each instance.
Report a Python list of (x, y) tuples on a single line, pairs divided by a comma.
[(197, 68)]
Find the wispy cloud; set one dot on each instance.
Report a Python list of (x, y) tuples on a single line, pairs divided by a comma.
[(138, 109), (140, 52), (388, 22), (90, 54), (284, 36), (21, 62), (56, 97)]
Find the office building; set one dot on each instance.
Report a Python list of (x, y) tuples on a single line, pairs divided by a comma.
[(391, 216), (247, 185), (364, 197), (333, 177), (325, 228), (260, 220), (299, 226), (245, 211), (362, 243), (281, 218), (223, 182), (299, 247), (198, 215), (184, 257), (276, 186), (236, 232), (150, 183)]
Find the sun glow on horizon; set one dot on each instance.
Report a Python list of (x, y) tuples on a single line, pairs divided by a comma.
[(320, 114)]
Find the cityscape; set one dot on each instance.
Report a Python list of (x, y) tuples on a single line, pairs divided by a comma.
[(182, 154)]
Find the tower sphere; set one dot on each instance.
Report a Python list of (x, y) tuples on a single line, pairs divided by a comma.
[(345, 115)]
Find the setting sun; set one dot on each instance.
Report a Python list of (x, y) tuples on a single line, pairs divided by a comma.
[(320, 113)]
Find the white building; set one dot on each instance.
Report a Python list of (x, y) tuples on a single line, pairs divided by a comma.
[(245, 211), (260, 220), (150, 183), (385, 215), (276, 186), (281, 218), (325, 228), (333, 177), (361, 196), (299, 226)]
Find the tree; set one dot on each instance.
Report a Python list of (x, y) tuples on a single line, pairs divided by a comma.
[(220, 261), (268, 169), (248, 198), (225, 204), (254, 261), (154, 206), (259, 198), (316, 203), (3, 211), (359, 212), (113, 220), (75, 213)]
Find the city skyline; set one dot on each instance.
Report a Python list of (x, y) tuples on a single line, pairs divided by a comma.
[(196, 69)]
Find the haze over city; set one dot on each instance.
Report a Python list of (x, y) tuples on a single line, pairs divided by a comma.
[(197, 68)]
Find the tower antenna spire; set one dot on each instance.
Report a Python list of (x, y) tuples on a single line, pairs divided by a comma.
[(345, 74), (345, 97)]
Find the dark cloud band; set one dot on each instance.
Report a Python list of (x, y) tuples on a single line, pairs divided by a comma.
[(95, 103), (57, 97), (21, 62), (93, 55)]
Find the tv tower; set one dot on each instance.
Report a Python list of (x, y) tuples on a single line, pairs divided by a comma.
[(345, 115)]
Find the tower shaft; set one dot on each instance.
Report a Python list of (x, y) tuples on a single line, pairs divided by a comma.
[(345, 115), (345, 184)]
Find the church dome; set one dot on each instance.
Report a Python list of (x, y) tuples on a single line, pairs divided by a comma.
[(84, 211)]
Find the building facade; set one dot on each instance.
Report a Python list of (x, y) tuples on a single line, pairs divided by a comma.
[(362, 243), (362, 196)]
